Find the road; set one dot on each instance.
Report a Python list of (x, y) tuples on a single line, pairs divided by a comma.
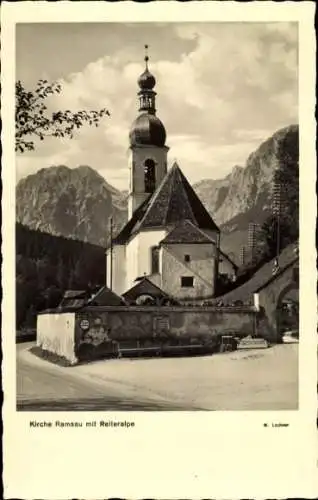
[(46, 388), (264, 379)]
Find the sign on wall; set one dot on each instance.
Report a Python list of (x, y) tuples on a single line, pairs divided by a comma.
[(84, 324), (161, 324)]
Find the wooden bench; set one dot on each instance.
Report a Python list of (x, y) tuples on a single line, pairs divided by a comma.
[(160, 349)]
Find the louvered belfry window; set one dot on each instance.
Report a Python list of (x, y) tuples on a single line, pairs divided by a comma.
[(150, 176)]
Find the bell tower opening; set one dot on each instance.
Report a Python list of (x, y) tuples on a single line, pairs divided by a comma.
[(150, 175)]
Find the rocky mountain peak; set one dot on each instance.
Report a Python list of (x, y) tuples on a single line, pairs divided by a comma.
[(246, 188), (74, 203)]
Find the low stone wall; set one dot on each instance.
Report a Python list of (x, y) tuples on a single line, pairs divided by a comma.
[(55, 333), (100, 331)]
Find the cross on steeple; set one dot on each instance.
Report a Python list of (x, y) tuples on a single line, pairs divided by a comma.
[(146, 56)]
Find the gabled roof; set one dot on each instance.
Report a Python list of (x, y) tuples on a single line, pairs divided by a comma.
[(73, 299), (76, 299), (106, 297), (72, 304), (173, 201), (187, 232), (145, 287)]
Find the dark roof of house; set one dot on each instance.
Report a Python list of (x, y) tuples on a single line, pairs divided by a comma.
[(144, 287), (73, 299), (106, 297), (262, 277), (173, 201), (222, 254), (187, 232)]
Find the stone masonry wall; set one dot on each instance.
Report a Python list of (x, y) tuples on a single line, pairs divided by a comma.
[(105, 327)]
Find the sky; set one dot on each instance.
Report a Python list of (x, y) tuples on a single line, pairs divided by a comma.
[(223, 88)]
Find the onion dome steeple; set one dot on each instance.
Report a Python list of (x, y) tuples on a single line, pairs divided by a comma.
[(146, 82), (147, 129)]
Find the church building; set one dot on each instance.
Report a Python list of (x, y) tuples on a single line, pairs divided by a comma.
[(170, 239)]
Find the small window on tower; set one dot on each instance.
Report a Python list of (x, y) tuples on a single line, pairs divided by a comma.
[(187, 258), (186, 281), (150, 176)]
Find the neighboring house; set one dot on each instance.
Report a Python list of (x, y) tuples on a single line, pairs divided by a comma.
[(74, 299), (170, 238), (146, 292), (105, 297)]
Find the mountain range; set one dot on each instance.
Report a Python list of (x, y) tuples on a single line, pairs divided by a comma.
[(74, 203), (77, 203)]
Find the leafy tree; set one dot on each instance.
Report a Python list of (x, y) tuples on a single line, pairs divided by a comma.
[(33, 120), (288, 173), (287, 234)]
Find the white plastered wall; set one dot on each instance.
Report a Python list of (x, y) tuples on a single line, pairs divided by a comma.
[(137, 157), (138, 254), (118, 284)]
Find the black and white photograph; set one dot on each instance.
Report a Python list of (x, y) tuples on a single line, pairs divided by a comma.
[(157, 216), (159, 309)]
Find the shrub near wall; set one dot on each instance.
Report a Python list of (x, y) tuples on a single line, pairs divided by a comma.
[(101, 331)]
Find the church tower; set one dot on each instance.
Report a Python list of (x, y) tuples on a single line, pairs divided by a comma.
[(148, 152)]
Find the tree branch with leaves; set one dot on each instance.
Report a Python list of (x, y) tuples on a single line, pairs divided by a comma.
[(34, 121)]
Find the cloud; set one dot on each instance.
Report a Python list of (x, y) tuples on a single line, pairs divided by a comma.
[(227, 87), (251, 135), (209, 160)]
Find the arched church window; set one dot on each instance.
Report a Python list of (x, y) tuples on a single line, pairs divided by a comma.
[(155, 260), (150, 176)]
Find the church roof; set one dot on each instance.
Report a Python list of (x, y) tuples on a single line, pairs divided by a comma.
[(173, 201), (146, 81), (147, 130), (131, 226), (187, 232)]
